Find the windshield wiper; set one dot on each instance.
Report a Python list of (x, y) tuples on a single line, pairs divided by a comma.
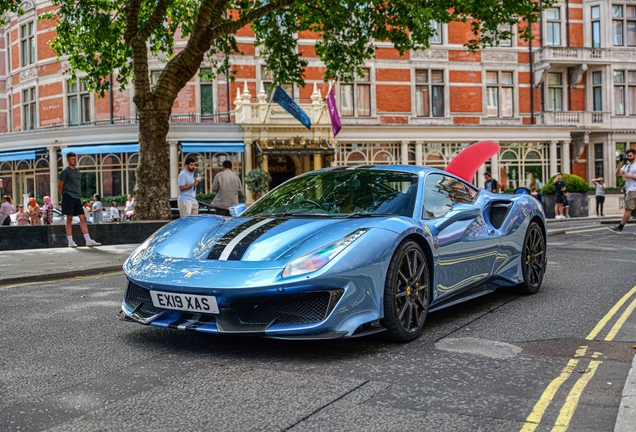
[(365, 214)]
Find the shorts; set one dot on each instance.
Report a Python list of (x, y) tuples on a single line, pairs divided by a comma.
[(71, 206), (630, 200), (560, 199), (566, 203), (188, 208)]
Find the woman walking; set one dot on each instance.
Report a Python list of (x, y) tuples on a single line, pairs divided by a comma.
[(35, 214), (599, 194), (6, 210)]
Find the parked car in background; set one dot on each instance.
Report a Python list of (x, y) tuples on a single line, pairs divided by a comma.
[(204, 208)]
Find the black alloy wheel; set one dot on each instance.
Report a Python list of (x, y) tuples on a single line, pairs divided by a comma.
[(407, 293), (533, 259)]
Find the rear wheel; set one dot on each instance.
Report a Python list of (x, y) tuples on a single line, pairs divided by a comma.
[(406, 293), (533, 259)]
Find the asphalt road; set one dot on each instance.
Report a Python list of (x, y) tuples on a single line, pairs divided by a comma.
[(504, 362)]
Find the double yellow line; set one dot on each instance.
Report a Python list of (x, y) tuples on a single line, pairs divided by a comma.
[(571, 402)]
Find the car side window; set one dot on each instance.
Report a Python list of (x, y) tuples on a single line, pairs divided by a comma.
[(442, 192), (437, 201)]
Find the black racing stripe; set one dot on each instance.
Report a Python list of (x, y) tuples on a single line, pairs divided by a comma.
[(202, 321), (182, 320), (240, 249), (220, 245)]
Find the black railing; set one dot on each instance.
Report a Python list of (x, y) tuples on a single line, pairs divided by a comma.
[(175, 118)]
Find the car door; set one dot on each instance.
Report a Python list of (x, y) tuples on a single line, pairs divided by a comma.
[(466, 249)]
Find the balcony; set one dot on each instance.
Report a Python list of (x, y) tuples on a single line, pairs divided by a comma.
[(583, 119), (572, 56), (174, 118)]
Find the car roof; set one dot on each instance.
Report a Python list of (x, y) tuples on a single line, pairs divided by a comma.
[(415, 169)]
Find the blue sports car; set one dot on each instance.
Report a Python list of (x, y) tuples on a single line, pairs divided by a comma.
[(340, 252)]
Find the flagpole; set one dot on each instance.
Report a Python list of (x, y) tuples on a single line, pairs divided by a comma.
[(269, 104)]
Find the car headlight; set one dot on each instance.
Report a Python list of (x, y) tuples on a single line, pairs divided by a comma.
[(319, 258), (140, 252)]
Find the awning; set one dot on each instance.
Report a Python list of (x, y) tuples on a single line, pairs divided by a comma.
[(19, 155), (102, 149), (213, 147)]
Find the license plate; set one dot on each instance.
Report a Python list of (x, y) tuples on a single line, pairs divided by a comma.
[(185, 302)]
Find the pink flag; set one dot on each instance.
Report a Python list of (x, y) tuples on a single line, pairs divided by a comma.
[(333, 112)]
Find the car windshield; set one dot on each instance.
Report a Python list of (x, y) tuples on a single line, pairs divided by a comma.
[(341, 193)]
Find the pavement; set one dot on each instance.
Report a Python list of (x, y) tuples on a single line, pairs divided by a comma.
[(39, 265)]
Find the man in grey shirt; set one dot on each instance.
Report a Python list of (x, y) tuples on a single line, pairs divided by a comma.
[(69, 186), (226, 186), (188, 204)]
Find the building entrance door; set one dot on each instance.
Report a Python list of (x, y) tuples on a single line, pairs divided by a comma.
[(281, 168), (24, 184)]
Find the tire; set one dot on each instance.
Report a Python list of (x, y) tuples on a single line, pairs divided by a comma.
[(533, 260), (407, 293)]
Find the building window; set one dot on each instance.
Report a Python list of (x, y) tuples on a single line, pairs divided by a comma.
[(624, 25), (597, 91), (553, 26), (631, 92), (619, 92), (8, 51), (499, 89), (29, 113), (27, 43), (267, 77), (154, 77), (596, 26), (555, 92), (598, 160), (437, 39), (79, 103), (10, 112), (506, 42), (355, 97), (207, 93), (429, 93)]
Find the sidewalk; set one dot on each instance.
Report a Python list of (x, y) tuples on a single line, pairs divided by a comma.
[(33, 265)]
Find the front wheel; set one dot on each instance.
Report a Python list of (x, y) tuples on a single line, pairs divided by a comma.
[(407, 292), (533, 259)]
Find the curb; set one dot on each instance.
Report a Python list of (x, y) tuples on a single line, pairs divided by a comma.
[(626, 418), (60, 275)]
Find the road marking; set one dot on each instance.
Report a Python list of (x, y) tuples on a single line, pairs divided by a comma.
[(572, 401), (542, 405), (617, 326), (610, 315)]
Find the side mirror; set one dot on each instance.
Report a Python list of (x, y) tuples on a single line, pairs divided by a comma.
[(459, 212), (237, 209)]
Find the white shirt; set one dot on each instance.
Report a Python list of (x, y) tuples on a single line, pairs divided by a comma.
[(630, 183), (114, 213)]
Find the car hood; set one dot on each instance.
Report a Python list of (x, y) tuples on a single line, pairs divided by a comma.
[(218, 238)]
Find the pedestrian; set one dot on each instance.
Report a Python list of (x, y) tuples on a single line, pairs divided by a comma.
[(47, 211), (114, 213), (35, 214), (6, 210), (566, 204), (69, 186), (599, 194), (129, 209), (98, 209), (226, 186), (22, 217), (86, 206), (491, 184), (628, 172), (559, 186), (187, 200)]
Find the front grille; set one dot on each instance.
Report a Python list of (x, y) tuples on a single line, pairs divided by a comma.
[(137, 296), (302, 308)]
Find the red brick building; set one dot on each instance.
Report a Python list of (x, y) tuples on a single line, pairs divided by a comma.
[(564, 102)]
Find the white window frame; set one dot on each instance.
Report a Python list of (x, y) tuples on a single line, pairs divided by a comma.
[(29, 122), (439, 38), (597, 86), (430, 88), (8, 51), (355, 88), (77, 90), (211, 84), (550, 23), (267, 77), (620, 84), (624, 21), (499, 86), (27, 33), (555, 87), (595, 22)]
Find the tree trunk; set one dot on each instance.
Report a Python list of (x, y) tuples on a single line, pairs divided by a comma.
[(152, 191)]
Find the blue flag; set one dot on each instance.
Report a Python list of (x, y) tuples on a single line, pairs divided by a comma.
[(283, 99)]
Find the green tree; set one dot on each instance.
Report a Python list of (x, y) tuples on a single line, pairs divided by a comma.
[(100, 37)]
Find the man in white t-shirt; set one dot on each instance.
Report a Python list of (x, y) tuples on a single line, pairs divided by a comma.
[(187, 201), (628, 172)]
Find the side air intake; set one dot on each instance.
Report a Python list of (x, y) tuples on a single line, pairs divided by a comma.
[(498, 212)]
